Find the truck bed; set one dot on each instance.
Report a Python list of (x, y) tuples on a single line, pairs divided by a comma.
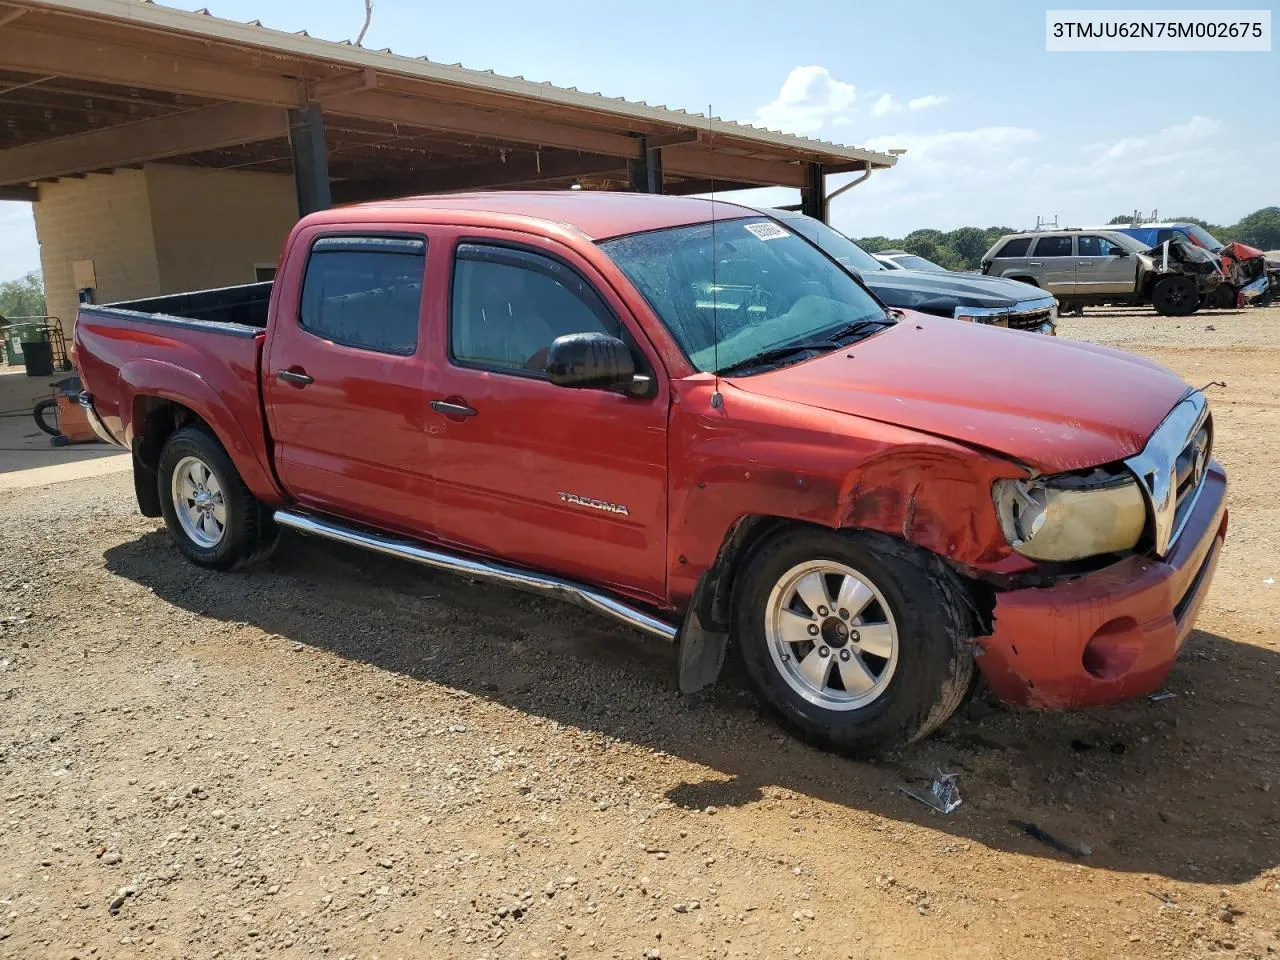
[(240, 310), (202, 351)]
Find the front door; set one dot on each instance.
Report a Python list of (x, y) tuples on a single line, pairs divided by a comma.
[(572, 480), (343, 379), (1053, 264), (1103, 267)]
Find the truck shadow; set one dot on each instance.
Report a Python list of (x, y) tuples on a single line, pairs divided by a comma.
[(1183, 788)]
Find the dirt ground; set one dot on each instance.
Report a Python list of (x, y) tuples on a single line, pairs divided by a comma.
[(337, 755)]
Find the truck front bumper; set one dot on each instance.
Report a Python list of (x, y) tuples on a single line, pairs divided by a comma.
[(1108, 635)]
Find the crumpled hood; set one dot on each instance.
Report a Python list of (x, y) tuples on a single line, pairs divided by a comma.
[(941, 293), (1049, 403)]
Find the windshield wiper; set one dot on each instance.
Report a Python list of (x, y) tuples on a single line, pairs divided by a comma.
[(774, 354), (845, 334)]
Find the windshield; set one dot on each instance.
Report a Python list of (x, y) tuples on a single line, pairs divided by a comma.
[(834, 243), (1202, 236), (772, 288)]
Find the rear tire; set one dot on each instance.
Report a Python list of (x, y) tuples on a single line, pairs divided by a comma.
[(212, 517), (856, 641), (1175, 296)]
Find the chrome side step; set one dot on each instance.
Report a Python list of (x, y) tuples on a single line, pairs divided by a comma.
[(576, 593)]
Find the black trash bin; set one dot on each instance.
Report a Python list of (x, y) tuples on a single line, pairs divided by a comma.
[(38, 355)]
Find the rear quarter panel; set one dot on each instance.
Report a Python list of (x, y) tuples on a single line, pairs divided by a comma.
[(126, 361)]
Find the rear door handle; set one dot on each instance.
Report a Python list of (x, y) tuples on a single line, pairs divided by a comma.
[(1035, 263), (450, 409), (294, 376)]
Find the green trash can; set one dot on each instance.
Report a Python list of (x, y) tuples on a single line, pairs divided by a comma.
[(15, 334)]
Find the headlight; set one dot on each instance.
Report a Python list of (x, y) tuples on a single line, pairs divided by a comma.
[(1071, 516)]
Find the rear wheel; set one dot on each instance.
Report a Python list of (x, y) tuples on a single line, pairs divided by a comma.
[(1175, 296), (856, 641), (211, 515)]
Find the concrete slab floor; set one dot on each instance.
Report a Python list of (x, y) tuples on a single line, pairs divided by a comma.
[(27, 459)]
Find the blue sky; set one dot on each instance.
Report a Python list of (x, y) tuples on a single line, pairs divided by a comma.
[(997, 130)]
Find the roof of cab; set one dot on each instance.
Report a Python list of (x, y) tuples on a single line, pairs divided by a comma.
[(598, 214)]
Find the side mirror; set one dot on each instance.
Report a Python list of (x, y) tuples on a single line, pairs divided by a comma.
[(594, 360), (1119, 252)]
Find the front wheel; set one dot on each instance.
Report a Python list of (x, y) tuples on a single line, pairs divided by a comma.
[(1175, 296), (857, 641), (1223, 298), (211, 515)]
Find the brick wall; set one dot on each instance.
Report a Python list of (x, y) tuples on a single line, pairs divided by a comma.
[(161, 229), (105, 218), (212, 226)]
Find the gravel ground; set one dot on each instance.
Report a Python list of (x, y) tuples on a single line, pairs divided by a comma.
[(337, 755)]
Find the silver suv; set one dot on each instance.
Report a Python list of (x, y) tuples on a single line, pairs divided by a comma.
[(1093, 267)]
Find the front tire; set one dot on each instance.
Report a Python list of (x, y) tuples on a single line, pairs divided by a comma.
[(856, 641), (212, 517), (1223, 298), (1175, 296)]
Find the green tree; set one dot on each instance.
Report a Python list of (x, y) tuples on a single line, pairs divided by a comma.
[(969, 244), (23, 297), (1259, 229)]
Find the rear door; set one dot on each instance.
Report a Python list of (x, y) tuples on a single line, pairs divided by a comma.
[(1053, 264), (1100, 270), (343, 377), (561, 479)]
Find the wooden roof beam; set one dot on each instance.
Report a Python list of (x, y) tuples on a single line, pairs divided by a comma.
[(207, 128), (471, 122), (699, 162), (49, 55)]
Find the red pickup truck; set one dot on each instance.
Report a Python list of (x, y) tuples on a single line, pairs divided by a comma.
[(685, 416)]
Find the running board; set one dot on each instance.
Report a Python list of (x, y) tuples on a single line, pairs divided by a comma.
[(575, 593)]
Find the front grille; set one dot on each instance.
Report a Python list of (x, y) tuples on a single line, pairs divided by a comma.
[(1029, 321), (1189, 471), (1172, 467)]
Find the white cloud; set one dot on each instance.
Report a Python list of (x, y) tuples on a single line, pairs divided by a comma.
[(924, 103), (810, 98), (885, 104)]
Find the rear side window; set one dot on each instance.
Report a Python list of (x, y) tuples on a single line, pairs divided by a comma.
[(1053, 247), (508, 305), (1016, 247), (365, 292)]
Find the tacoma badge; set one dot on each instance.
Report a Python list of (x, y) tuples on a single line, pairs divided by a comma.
[(595, 504)]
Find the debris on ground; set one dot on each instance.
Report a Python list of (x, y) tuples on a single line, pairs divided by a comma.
[(943, 794)]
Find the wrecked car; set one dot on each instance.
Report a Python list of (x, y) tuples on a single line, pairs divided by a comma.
[(684, 416), (1105, 267), (963, 296), (1247, 272)]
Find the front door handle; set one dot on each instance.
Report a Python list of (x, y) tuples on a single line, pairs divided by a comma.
[(1035, 263), (450, 409), (295, 377)]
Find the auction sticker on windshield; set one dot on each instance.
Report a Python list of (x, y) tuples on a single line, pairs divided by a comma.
[(767, 231)]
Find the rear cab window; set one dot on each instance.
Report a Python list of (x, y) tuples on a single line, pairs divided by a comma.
[(365, 292)]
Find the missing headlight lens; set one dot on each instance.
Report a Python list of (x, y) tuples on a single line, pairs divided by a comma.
[(1072, 516)]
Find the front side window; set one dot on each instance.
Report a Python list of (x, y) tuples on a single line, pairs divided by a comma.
[(365, 292), (1095, 246), (508, 305), (741, 289), (1053, 247)]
